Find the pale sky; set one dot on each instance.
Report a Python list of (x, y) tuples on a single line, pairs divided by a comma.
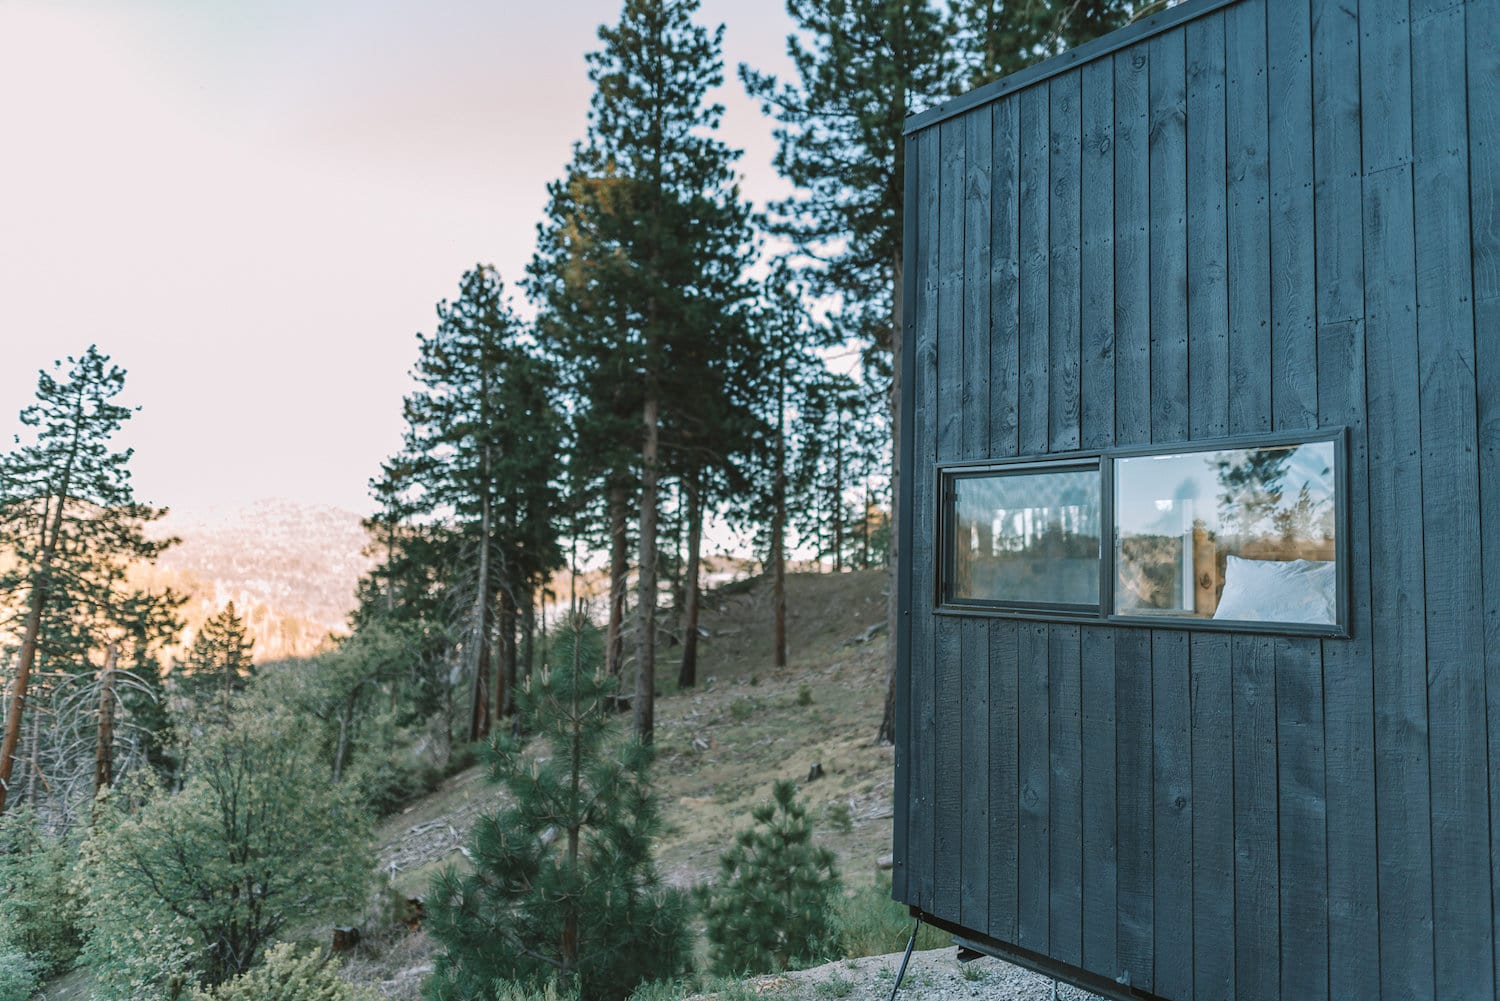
[(254, 207)]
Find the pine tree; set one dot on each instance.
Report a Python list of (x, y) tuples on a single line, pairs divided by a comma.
[(862, 68), (642, 257), (71, 523), (999, 37), (563, 884), (775, 905), (789, 339), (218, 663), (481, 460)]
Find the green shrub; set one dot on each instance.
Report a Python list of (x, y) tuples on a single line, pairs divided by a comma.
[(201, 882), (563, 882), (287, 976), (20, 974), (775, 905), (742, 709), (872, 924), (38, 908), (804, 696)]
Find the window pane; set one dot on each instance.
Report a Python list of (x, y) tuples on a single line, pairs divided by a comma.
[(1238, 534), (1029, 537)]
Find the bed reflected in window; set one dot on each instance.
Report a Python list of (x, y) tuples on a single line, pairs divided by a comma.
[(1233, 535)]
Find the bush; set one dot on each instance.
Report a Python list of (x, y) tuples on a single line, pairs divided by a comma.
[(38, 909), (200, 882), (775, 905), (563, 884), (20, 975), (872, 924), (287, 976)]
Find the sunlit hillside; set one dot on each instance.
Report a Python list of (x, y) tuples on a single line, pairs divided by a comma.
[(289, 568)]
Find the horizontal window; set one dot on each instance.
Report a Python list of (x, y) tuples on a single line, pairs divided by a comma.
[(1029, 537), (1229, 535), (1244, 534)]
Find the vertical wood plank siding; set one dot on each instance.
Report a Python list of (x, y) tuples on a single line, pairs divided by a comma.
[(1263, 215)]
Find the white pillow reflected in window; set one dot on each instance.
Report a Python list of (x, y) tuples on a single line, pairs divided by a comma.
[(1279, 591)]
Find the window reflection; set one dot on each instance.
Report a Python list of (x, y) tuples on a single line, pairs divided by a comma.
[(1029, 537), (1234, 534)]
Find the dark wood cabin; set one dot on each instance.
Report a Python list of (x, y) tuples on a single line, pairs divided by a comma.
[(1200, 507)]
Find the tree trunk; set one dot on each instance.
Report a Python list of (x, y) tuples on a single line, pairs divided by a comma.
[(614, 653), (688, 676), (528, 634), (479, 724), (17, 706), (645, 640), (509, 649), (838, 488), (778, 531), (32, 769), (887, 732), (104, 749), (341, 753)]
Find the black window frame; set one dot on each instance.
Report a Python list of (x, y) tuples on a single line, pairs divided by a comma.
[(1103, 460)]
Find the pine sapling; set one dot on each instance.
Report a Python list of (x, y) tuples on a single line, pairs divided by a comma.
[(776, 902)]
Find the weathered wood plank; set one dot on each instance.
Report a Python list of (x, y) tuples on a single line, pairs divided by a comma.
[(948, 669), (951, 302), (974, 847), (1064, 335), (1249, 222), (1100, 869), (1168, 216), (1207, 231), (947, 660), (1097, 257), (1136, 807), (1213, 817), (978, 149), (1398, 615), (1172, 777), (900, 822), (1004, 281), (1132, 246), (1035, 371), (1294, 349), (1463, 913), (1135, 794), (1171, 755), (1348, 692), (1065, 744), (1483, 40), (1032, 931), (1004, 786), (1257, 879), (1303, 818), (920, 832)]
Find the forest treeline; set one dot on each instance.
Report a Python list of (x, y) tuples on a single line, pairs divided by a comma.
[(676, 363)]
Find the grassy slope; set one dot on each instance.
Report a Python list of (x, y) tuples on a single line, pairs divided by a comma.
[(721, 747)]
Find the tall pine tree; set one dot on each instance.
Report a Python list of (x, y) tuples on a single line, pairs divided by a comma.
[(218, 663), (642, 257), (861, 69), (481, 457), (68, 518)]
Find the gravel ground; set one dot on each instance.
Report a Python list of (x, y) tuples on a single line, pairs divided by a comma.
[(932, 975)]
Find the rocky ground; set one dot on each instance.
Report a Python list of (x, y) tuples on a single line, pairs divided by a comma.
[(932, 975)]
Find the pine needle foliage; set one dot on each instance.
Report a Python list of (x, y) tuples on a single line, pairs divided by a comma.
[(776, 903), (563, 885), (288, 975)]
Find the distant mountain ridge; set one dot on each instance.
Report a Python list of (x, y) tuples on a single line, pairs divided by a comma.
[(290, 568)]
